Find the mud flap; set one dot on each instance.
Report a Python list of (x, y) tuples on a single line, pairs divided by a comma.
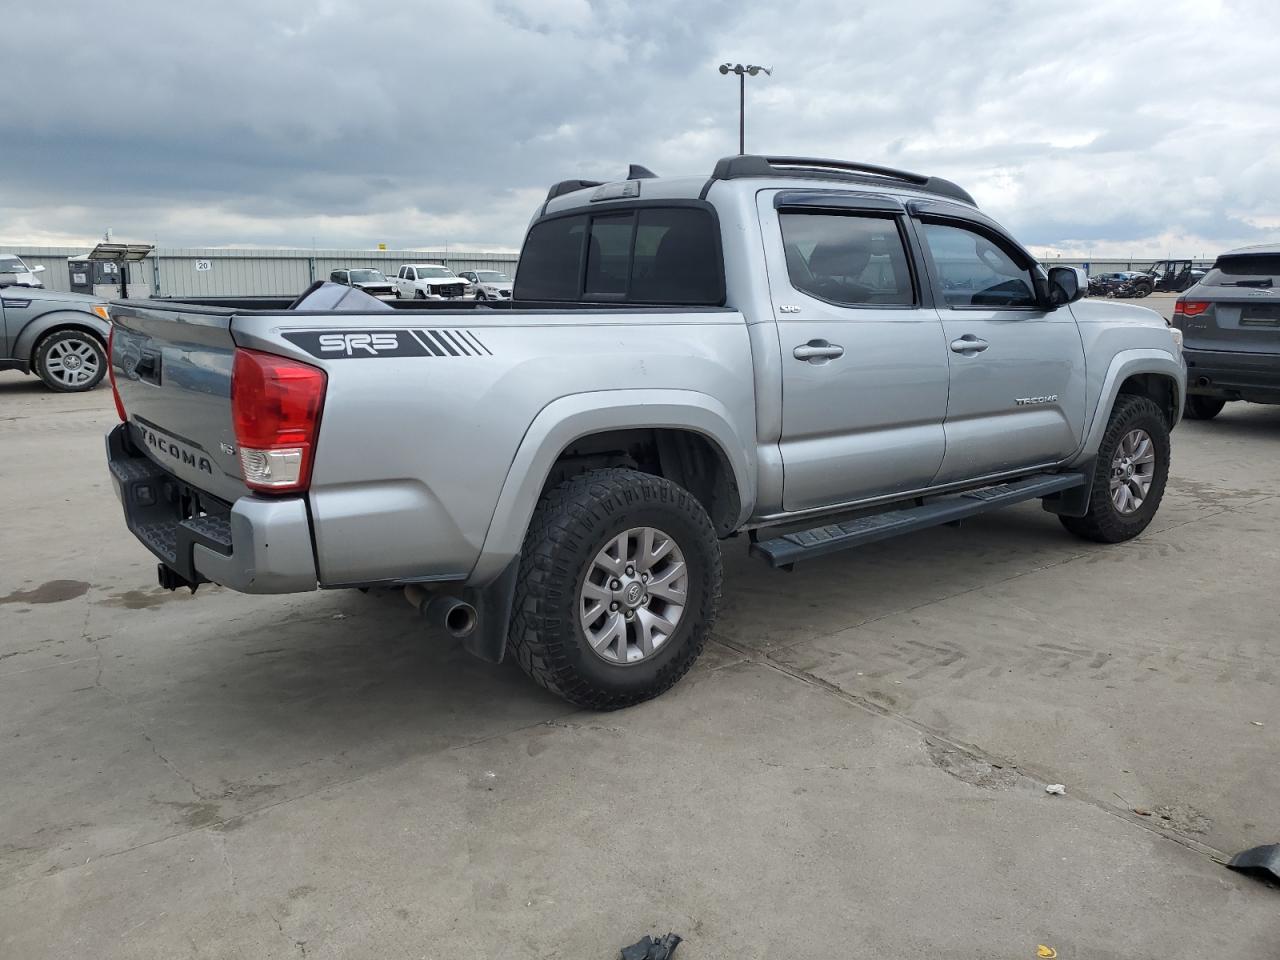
[(1075, 501), (493, 614)]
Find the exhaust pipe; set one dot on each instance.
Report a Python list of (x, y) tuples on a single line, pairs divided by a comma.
[(441, 610)]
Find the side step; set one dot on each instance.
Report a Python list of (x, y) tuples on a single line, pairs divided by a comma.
[(819, 541)]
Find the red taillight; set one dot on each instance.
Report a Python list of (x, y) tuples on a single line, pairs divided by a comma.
[(1190, 308), (275, 406), (111, 374)]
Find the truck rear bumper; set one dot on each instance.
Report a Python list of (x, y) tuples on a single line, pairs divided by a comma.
[(256, 545), (1234, 376)]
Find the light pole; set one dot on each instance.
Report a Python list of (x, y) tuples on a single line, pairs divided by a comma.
[(742, 72)]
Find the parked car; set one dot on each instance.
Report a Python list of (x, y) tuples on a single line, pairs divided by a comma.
[(768, 351), (60, 337), (487, 284), (1230, 323), (428, 281), (1122, 283), (15, 272), (1173, 276), (372, 282)]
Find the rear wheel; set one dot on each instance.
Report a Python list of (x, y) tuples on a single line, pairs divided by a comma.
[(70, 361), (619, 580), (1202, 408), (1131, 471)]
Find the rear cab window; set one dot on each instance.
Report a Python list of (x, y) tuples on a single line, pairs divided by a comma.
[(651, 254)]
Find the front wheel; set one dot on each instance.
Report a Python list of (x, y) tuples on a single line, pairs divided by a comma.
[(396, 294), (1130, 474), (70, 361), (619, 581), (1202, 408)]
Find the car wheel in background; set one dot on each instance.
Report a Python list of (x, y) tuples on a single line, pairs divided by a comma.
[(70, 361), (480, 295), (419, 295), (1130, 473), (396, 293), (619, 581), (1202, 408)]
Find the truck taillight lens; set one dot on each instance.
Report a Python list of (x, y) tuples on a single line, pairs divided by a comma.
[(1190, 308), (111, 375), (275, 406)]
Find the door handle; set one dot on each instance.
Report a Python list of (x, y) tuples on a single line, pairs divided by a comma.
[(817, 351), (969, 344)]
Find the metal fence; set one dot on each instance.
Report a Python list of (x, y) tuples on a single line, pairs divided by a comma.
[(225, 272), (229, 272)]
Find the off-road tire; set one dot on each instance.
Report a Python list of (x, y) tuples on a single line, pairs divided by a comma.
[(40, 360), (1104, 523), (1202, 408), (571, 524)]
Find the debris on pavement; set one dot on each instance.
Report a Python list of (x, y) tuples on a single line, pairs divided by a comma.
[(1258, 861), (647, 948), (1256, 723), (1057, 789), (1140, 811), (1048, 953)]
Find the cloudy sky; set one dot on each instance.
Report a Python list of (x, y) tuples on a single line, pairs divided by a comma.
[(1102, 128)]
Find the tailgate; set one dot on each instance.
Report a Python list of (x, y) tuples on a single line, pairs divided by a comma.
[(173, 370)]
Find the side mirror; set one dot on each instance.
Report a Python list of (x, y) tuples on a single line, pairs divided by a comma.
[(1066, 285), (38, 268)]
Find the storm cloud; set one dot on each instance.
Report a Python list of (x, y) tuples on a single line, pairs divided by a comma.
[(1088, 128)]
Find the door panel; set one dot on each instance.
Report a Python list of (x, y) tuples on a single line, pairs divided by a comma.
[(864, 387), (1017, 396)]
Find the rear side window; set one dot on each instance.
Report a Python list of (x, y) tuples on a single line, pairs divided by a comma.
[(1245, 270), (975, 271), (852, 260), (649, 255)]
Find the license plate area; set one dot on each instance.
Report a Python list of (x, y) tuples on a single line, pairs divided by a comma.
[(1260, 315)]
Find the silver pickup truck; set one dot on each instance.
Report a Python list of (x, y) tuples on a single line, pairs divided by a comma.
[(815, 353)]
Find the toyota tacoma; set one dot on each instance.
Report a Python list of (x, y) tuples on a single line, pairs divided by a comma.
[(815, 354)]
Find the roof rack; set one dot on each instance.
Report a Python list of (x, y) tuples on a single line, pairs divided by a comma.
[(813, 168)]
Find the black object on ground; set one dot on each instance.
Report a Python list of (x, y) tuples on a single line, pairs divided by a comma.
[(1259, 861), (647, 948)]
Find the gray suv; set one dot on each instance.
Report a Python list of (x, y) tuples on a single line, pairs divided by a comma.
[(1230, 322), (817, 354), (60, 337)]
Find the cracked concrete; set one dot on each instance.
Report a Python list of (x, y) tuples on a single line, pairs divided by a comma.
[(855, 767)]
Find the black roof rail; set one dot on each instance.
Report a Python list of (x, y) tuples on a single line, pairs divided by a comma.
[(568, 186), (813, 168)]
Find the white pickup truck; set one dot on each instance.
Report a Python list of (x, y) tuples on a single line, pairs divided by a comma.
[(816, 354), (428, 281)]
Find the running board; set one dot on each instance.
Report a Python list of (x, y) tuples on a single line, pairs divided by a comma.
[(819, 541)]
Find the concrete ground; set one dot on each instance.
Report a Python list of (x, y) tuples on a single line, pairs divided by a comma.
[(855, 768)]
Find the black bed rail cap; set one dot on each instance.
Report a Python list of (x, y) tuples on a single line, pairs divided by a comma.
[(815, 168)]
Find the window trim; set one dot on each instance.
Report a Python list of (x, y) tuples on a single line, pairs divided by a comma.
[(918, 287), (623, 206), (1010, 247)]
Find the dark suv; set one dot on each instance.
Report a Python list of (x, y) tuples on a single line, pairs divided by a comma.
[(1230, 323)]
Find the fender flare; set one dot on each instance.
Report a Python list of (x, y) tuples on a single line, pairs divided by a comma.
[(570, 418), (1124, 365), (58, 319)]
